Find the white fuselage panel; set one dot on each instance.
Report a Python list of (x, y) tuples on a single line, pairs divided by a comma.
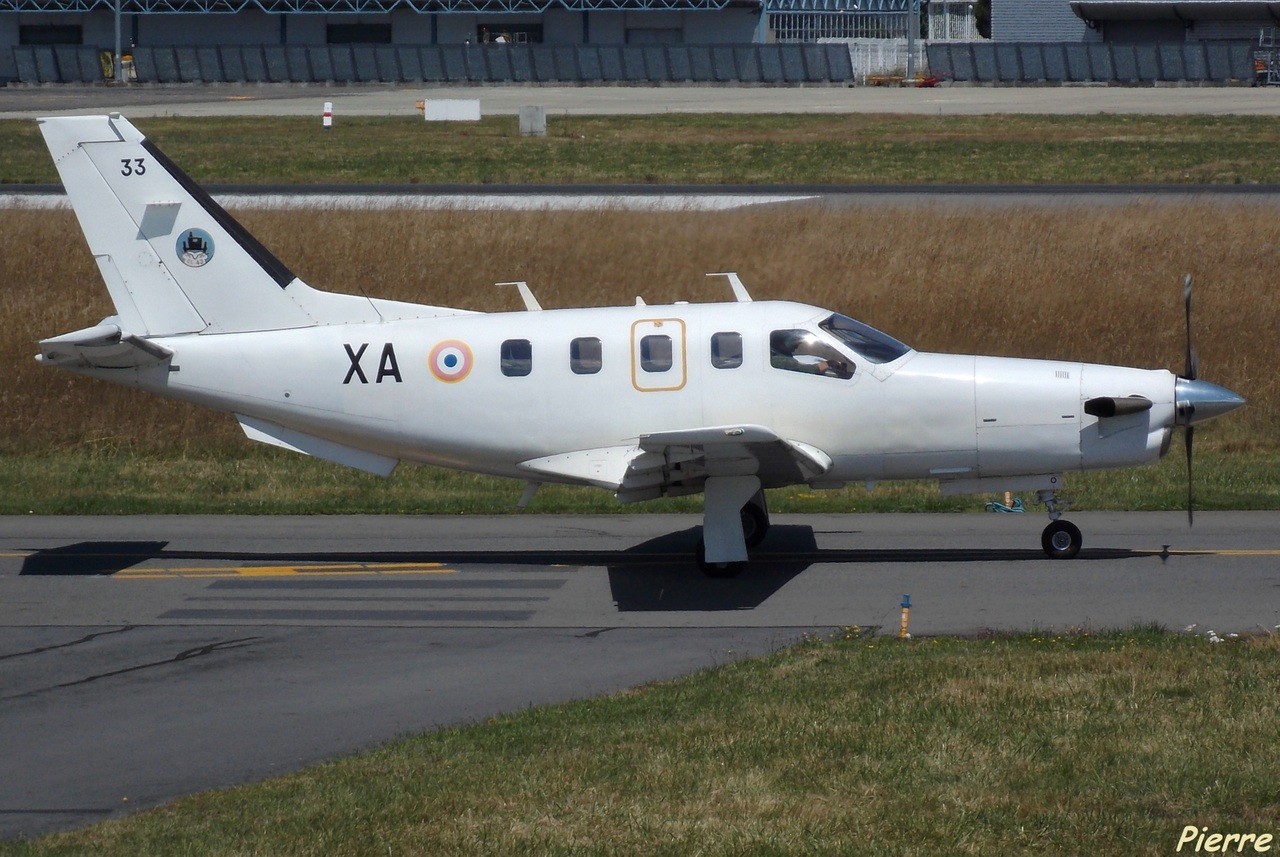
[(485, 392)]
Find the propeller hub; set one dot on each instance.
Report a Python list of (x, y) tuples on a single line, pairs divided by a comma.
[(1197, 401)]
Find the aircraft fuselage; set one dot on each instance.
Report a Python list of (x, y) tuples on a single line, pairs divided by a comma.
[(390, 388)]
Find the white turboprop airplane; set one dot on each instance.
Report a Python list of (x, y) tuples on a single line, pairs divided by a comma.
[(726, 399)]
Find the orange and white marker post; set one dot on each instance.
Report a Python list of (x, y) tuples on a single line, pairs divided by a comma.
[(903, 634), (328, 116)]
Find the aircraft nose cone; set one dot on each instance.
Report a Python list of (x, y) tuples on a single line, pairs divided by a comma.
[(1198, 401)]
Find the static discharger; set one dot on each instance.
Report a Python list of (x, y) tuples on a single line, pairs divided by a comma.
[(328, 116), (906, 617)]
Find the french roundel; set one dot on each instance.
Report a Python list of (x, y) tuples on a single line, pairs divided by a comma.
[(450, 361)]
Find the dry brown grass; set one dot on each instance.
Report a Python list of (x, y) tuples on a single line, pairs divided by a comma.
[(1101, 285)]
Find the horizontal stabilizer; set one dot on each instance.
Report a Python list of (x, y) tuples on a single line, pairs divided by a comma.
[(274, 434), (102, 347)]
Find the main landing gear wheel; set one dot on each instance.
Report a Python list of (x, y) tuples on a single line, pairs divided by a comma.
[(717, 569), (1061, 539), (755, 524)]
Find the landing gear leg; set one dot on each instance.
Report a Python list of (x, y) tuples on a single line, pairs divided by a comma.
[(722, 552), (1061, 539)]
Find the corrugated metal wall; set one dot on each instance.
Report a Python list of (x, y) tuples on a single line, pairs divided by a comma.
[(1037, 21)]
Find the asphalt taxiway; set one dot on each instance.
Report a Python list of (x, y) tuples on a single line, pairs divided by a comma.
[(142, 658), (187, 99)]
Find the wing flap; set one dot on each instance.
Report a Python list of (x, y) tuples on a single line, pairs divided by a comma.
[(679, 462), (605, 467), (744, 450)]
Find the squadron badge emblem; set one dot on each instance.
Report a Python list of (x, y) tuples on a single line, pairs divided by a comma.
[(195, 248)]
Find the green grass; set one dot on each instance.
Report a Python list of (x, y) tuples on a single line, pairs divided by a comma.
[(749, 149), (266, 481), (1064, 743)]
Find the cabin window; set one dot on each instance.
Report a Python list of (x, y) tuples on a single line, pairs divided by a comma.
[(655, 353), (726, 350), (585, 356), (803, 351), (517, 358)]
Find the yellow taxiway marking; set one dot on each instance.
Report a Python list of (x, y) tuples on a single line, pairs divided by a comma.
[(346, 569), (1218, 552)]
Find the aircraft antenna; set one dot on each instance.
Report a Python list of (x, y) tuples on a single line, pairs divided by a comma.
[(365, 295), (735, 282), (530, 488), (530, 302)]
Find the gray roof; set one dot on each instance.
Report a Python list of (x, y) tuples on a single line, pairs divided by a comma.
[(1187, 10)]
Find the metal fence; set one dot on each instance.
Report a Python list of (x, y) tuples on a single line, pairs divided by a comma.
[(812, 26), (770, 65), (871, 57), (1074, 62)]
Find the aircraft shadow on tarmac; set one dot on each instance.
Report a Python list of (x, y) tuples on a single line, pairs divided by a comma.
[(655, 575), (90, 559), (788, 551)]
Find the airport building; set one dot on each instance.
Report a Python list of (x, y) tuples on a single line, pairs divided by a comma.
[(1132, 21), (781, 42), (1132, 42), (471, 41), (432, 22)]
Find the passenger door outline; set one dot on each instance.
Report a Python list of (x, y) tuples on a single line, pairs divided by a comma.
[(657, 382)]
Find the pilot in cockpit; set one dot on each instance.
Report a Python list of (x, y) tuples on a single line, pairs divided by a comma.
[(802, 351)]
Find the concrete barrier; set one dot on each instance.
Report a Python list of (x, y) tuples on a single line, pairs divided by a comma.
[(1073, 62), (640, 65)]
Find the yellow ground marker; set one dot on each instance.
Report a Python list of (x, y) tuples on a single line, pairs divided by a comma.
[(346, 569), (1222, 552)]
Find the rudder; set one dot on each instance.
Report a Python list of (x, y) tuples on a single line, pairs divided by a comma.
[(173, 259)]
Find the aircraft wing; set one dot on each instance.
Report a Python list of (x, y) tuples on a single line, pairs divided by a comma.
[(679, 462), (101, 347)]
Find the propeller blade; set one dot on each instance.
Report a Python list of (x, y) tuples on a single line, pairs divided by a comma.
[(1190, 434), (1192, 361)]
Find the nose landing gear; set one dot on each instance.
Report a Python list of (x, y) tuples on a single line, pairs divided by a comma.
[(1061, 539)]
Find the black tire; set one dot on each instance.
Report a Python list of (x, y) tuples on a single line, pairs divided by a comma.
[(716, 569), (755, 524), (1061, 540)]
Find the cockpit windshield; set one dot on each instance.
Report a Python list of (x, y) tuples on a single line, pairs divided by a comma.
[(874, 346)]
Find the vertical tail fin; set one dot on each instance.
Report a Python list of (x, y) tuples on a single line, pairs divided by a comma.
[(173, 260)]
